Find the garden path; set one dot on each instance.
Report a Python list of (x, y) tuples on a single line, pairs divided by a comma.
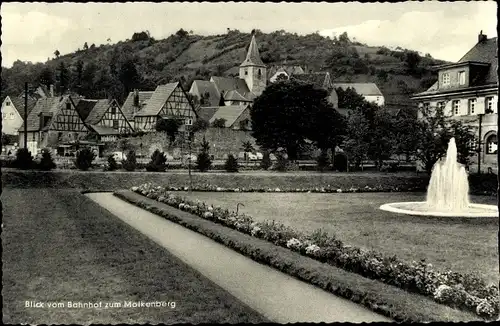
[(275, 295)]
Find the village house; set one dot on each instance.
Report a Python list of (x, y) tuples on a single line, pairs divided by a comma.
[(104, 118), (53, 122), (284, 71), (13, 114), (369, 91), (468, 91), (236, 117), (322, 80), (168, 101)]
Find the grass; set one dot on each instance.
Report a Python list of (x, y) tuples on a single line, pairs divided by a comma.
[(382, 298), (59, 246), (461, 244)]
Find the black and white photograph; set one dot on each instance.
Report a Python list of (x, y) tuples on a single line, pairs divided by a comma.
[(249, 162)]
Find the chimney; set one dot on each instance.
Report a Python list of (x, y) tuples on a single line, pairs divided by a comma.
[(51, 90), (481, 37)]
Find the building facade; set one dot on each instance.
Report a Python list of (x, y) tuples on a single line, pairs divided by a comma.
[(468, 91), (13, 114), (369, 91)]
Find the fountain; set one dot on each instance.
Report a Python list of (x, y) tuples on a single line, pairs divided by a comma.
[(447, 193)]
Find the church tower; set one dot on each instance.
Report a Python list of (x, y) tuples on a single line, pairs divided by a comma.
[(253, 70)]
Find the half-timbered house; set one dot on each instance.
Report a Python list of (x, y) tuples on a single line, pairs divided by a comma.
[(54, 122), (168, 101), (104, 118)]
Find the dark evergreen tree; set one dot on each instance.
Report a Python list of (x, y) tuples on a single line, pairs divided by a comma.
[(203, 160), (231, 164)]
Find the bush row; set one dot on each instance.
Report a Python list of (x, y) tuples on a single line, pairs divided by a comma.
[(456, 290), (387, 300)]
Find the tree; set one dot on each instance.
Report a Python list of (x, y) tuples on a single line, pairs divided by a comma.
[(170, 127), (231, 164), (266, 163), (157, 163), (84, 158), (46, 77), (57, 53), (322, 161), (85, 46), (23, 160), (247, 148), (200, 125), (130, 163), (46, 162), (433, 132), (112, 165), (355, 144), (344, 38), (412, 60), (64, 78), (219, 123), (284, 115), (129, 76), (203, 160), (382, 141), (182, 33)]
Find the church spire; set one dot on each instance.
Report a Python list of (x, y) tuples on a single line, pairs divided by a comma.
[(253, 56)]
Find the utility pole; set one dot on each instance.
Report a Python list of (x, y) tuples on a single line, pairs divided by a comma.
[(479, 145), (26, 115)]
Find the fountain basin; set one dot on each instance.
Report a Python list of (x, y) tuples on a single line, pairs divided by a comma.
[(421, 208)]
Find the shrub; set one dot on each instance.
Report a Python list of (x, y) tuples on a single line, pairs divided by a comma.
[(46, 163), (340, 162), (112, 165), (322, 161), (266, 163), (84, 158), (157, 163), (219, 123), (203, 160), (282, 163), (130, 163), (231, 164), (24, 160)]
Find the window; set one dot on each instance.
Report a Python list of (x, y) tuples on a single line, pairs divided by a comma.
[(246, 72), (441, 105), (33, 137), (7, 103), (115, 124), (11, 116), (260, 73), (113, 109), (461, 77), (59, 136), (488, 105), (472, 105), (427, 106), (68, 106), (189, 122), (446, 79), (491, 144), (456, 107), (4, 115)]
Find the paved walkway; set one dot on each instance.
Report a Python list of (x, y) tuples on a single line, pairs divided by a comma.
[(275, 295)]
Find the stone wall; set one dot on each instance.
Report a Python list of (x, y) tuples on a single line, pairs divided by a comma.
[(222, 141)]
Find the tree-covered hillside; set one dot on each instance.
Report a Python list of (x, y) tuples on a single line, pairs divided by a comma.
[(143, 62)]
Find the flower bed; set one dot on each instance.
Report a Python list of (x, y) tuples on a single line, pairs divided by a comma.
[(324, 189), (466, 292)]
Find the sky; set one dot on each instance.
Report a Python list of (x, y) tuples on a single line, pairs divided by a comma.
[(446, 30)]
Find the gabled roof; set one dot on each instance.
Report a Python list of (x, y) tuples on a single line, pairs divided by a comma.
[(205, 86), (48, 106), (226, 84), (253, 56), (84, 107), (318, 79), (229, 113), (485, 51), (19, 104), (206, 112), (235, 96), (104, 131), (158, 99), (100, 108), (367, 89), (128, 107)]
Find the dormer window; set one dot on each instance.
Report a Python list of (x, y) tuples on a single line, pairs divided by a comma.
[(446, 79), (461, 77)]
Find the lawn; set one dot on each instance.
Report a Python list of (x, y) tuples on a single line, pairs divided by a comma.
[(59, 246), (467, 245)]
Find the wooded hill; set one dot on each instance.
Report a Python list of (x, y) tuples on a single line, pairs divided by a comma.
[(143, 62)]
